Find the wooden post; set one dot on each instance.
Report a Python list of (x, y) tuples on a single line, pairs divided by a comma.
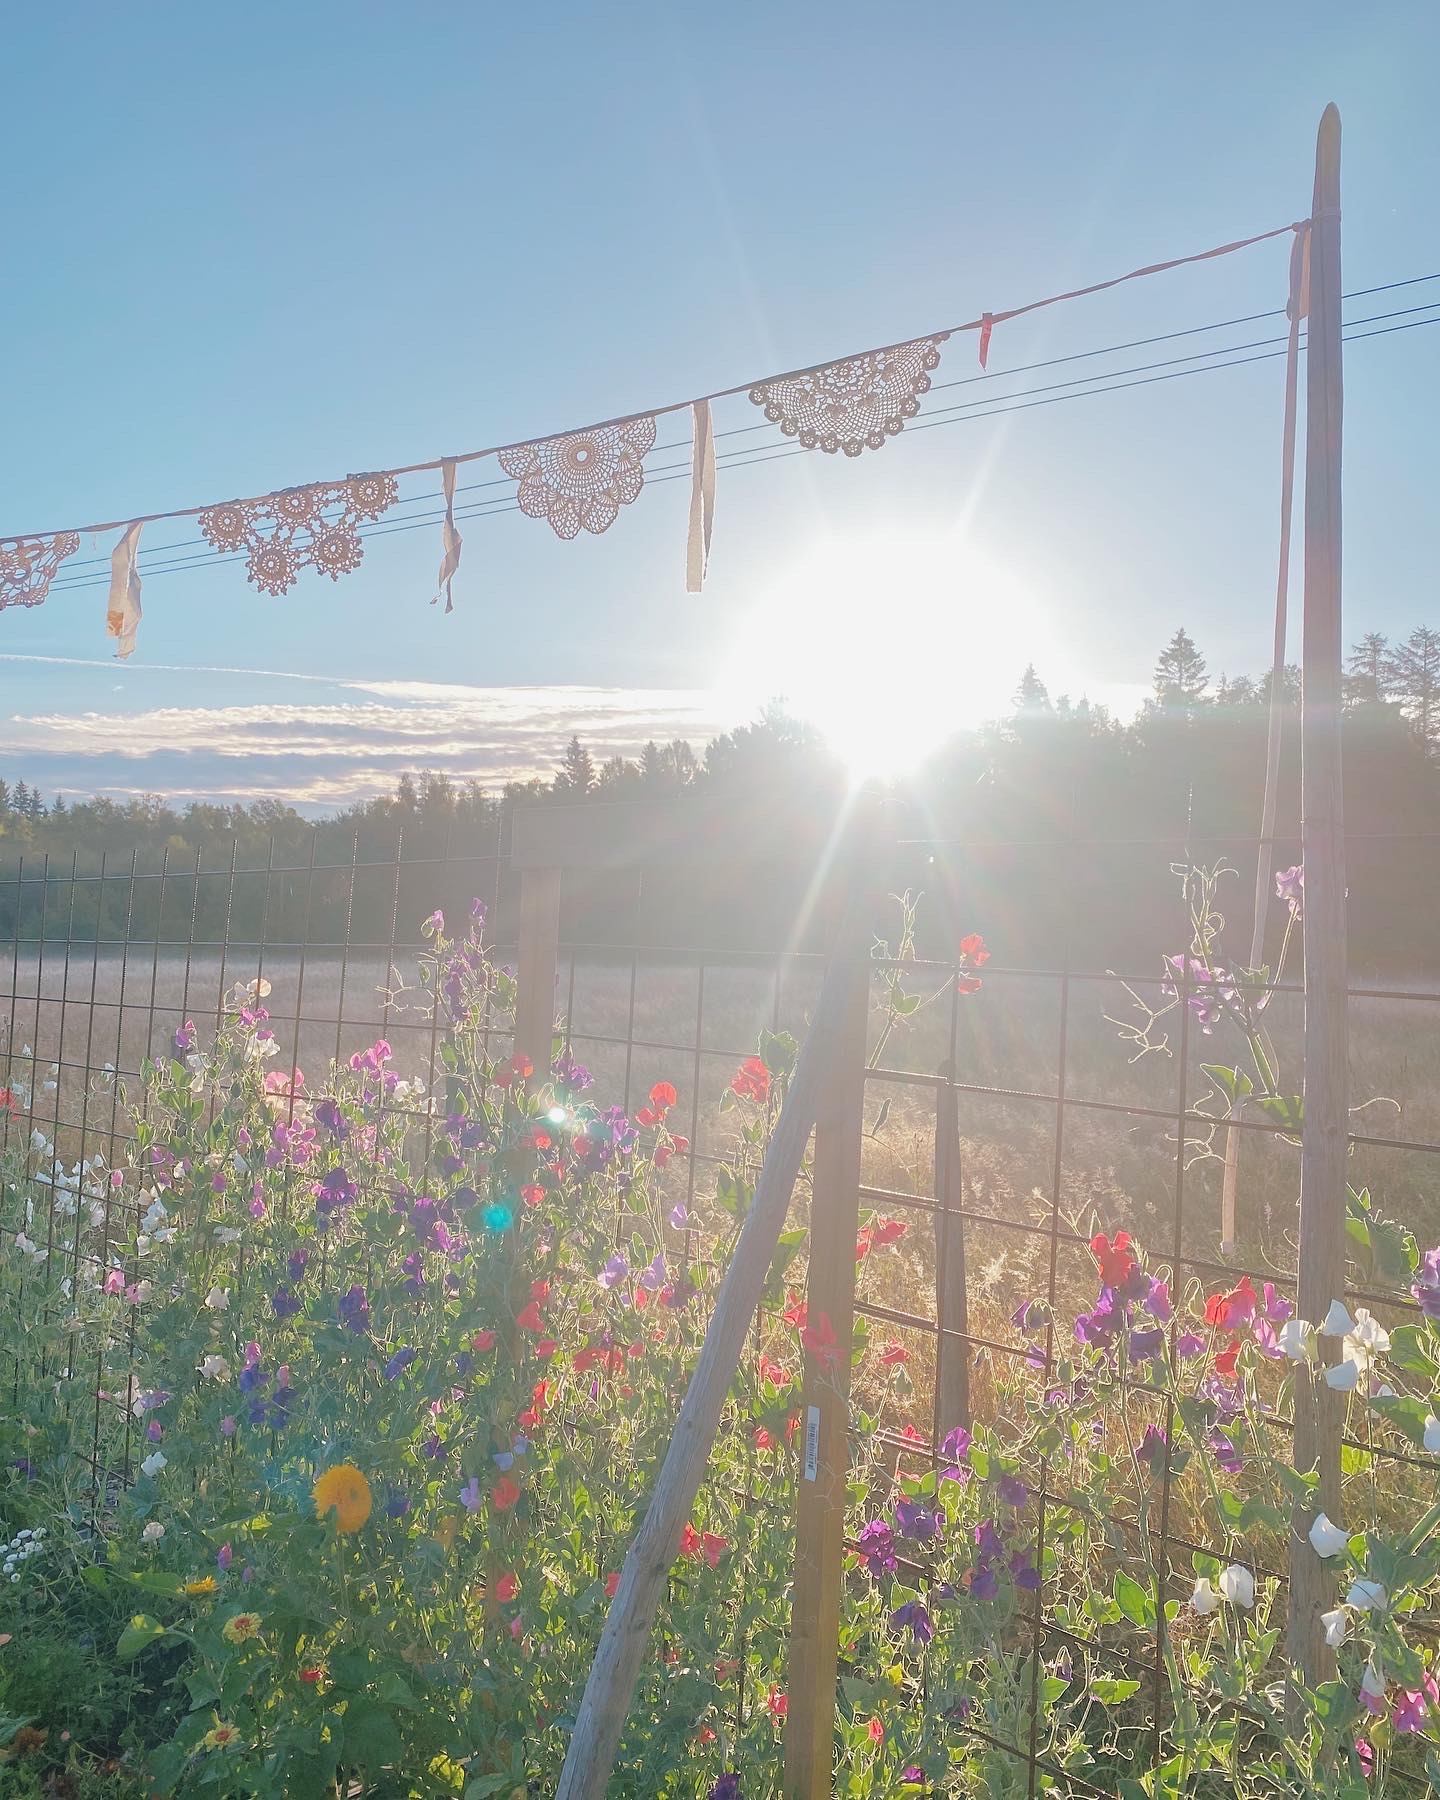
[(535, 963), (626, 1636), (825, 1406), (952, 1352), (1325, 1139)]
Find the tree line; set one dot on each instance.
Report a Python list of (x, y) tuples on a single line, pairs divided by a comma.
[(1053, 830)]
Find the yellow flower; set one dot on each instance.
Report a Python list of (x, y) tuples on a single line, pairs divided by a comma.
[(205, 1585), (344, 1491), (241, 1628), (221, 1736)]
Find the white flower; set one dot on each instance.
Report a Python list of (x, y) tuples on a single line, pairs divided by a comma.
[(1372, 1682), (1343, 1376), (1204, 1598), (153, 1463), (1237, 1585), (1294, 1339), (226, 1234), (1432, 1433), (1337, 1322), (218, 1299), (153, 1532), (143, 1290), (1366, 1596), (1369, 1333), (1327, 1538), (215, 1368), (38, 1533)]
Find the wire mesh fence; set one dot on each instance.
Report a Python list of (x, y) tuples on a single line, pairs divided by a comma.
[(1007, 1118)]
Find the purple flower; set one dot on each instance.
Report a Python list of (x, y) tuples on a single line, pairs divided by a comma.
[(679, 1215), (727, 1787), (1023, 1572), (223, 1558), (915, 1615), (1209, 990), (402, 1359), (1157, 1301), (470, 1496), (433, 1447), (354, 1309), (875, 1547), (1146, 1344), (914, 1519), (284, 1303), (912, 1775), (328, 1114), (654, 1277), (984, 1583), (988, 1541), (397, 1504), (185, 1038), (1290, 887), (614, 1271), (1223, 1449), (1013, 1491), (1153, 1449), (953, 1450), (1427, 1289), (1101, 1323), (570, 1075), (1189, 1343), (1030, 1315), (295, 1268)]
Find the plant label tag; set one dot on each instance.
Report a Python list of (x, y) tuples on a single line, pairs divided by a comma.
[(812, 1443)]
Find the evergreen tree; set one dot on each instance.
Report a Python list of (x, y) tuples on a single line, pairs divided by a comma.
[(1032, 695), (1417, 684), (575, 777), (1180, 678), (1370, 670)]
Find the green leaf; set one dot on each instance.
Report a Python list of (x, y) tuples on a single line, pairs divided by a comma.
[(1286, 1109), (1110, 1692), (371, 1740), (1410, 1350), (778, 1051), (1234, 1084), (138, 1635), (1134, 1601), (1406, 1414)]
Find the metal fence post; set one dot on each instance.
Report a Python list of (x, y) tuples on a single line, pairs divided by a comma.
[(952, 1347), (536, 959), (1325, 1138)]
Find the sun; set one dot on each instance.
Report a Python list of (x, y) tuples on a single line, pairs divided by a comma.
[(887, 643)]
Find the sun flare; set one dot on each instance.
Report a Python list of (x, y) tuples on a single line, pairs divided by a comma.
[(887, 644)]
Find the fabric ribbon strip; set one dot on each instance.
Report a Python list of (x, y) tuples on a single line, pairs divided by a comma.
[(702, 498), (450, 562), (122, 614), (987, 325)]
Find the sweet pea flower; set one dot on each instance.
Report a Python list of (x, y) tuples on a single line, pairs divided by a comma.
[(915, 1616), (1337, 1322), (470, 1496), (153, 1463), (1337, 1626), (1204, 1598), (1366, 1595), (218, 1299), (1372, 1689), (1326, 1538), (614, 1271), (1344, 1376), (1294, 1340), (1432, 1434), (1237, 1585), (215, 1368)]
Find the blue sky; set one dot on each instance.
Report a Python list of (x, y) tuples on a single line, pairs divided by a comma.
[(265, 250)]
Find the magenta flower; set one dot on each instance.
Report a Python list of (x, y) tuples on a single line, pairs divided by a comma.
[(875, 1547), (1189, 1343), (914, 1615), (185, 1038), (984, 1583), (1427, 1288), (1023, 1572), (1013, 1491), (354, 1309), (914, 1519), (1157, 1301), (988, 1541)]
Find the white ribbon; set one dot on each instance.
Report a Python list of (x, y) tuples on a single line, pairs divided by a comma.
[(122, 614), (450, 562), (702, 498)]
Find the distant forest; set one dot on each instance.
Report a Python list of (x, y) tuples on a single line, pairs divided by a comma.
[(1053, 831)]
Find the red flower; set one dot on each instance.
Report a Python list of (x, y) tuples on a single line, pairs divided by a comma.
[(504, 1494), (612, 1581), (546, 1348), (1114, 1261), (773, 1372), (521, 1067), (9, 1103), (311, 1676), (727, 1668), (763, 1439), (540, 1290), (645, 1116), (876, 1731), (894, 1356), (821, 1342), (1232, 1309), (972, 948), (888, 1231), (663, 1096), (777, 1703), (506, 1588), (1225, 1361), (864, 1243), (690, 1541), (752, 1081), (483, 1340), (528, 1318), (532, 1195), (796, 1313)]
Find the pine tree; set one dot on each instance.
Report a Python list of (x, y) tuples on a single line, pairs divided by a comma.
[(4, 798), (575, 777), (1180, 678), (1032, 695), (1417, 684), (1370, 670)]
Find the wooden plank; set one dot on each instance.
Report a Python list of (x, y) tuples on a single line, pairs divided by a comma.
[(536, 957), (628, 1626), (825, 1406), (952, 1352), (1325, 1138)]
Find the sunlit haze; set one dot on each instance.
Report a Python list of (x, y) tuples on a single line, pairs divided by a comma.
[(886, 643)]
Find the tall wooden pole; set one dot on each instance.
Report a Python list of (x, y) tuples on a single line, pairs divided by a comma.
[(1325, 1140)]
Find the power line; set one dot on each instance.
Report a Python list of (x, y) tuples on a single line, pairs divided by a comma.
[(933, 420)]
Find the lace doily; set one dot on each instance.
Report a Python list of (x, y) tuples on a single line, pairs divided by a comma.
[(856, 404), (28, 566), (270, 530), (584, 478)]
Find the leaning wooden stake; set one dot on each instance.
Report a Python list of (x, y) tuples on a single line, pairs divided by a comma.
[(1325, 1138), (626, 1636)]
